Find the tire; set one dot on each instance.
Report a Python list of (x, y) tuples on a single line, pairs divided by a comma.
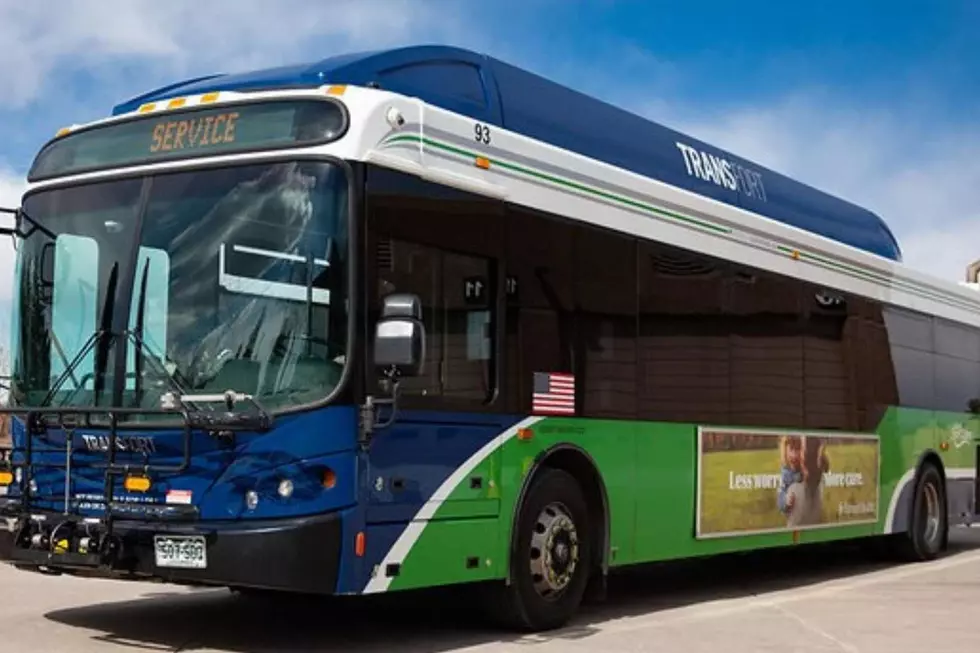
[(928, 531), (534, 601)]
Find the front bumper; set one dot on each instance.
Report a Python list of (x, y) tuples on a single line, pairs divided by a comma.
[(300, 554)]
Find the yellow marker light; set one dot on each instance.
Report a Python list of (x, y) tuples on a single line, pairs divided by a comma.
[(148, 107), (6, 478), (482, 163), (337, 89), (137, 483), (62, 132), (176, 103), (208, 98)]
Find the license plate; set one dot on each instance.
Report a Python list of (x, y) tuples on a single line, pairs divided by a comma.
[(181, 551)]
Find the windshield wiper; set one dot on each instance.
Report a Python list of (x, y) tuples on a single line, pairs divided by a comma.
[(106, 336), (137, 336)]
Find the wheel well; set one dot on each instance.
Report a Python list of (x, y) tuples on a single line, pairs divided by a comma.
[(931, 457), (581, 466)]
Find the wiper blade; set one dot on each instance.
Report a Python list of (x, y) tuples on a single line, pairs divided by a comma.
[(137, 336), (144, 352), (102, 338), (106, 336), (69, 371)]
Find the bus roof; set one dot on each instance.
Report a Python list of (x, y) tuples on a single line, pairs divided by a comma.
[(498, 93)]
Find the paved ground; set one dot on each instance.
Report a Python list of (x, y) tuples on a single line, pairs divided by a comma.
[(832, 599)]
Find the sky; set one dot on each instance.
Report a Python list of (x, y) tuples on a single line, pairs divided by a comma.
[(873, 101)]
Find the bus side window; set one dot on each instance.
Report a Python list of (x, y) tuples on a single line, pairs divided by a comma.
[(457, 297)]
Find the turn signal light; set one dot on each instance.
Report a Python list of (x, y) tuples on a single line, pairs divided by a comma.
[(359, 545), (137, 483), (329, 478), (6, 478)]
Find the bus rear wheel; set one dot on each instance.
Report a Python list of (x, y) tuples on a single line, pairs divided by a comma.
[(928, 525), (551, 559)]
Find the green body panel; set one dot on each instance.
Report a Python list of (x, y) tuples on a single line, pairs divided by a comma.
[(440, 557), (650, 472)]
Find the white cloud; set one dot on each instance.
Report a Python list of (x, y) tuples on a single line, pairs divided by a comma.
[(187, 37), (922, 179)]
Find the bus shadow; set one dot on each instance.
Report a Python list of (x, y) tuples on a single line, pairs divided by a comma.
[(436, 621)]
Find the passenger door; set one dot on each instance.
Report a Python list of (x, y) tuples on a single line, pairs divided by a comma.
[(440, 245)]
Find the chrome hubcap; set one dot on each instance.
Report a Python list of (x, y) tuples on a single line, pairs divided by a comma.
[(554, 551), (932, 516)]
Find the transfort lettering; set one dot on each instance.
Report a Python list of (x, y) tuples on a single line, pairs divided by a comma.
[(723, 172)]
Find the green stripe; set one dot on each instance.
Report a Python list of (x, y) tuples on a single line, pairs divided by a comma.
[(816, 259), (873, 275), (559, 181)]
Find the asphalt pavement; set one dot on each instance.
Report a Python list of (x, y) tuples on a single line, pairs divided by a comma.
[(828, 599)]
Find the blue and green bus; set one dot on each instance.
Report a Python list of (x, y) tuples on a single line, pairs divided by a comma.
[(417, 318)]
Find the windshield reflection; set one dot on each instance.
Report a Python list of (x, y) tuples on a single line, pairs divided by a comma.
[(198, 281)]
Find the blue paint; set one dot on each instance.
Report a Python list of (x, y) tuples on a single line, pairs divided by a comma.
[(300, 447), (421, 449), (492, 91)]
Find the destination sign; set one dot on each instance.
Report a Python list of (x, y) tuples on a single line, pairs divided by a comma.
[(190, 133)]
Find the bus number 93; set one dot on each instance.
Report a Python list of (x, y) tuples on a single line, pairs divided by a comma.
[(481, 133)]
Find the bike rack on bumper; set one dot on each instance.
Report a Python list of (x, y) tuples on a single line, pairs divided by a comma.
[(52, 541)]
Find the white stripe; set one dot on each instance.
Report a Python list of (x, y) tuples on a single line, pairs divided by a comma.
[(272, 289), (952, 473), (403, 545), (245, 249)]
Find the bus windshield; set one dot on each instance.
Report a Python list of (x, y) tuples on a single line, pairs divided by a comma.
[(198, 281)]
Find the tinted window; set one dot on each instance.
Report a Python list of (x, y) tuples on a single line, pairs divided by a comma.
[(907, 329), (540, 309), (957, 340), (684, 348), (957, 383), (441, 245), (457, 298), (605, 296), (915, 374)]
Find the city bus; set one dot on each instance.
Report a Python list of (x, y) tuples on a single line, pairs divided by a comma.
[(418, 317)]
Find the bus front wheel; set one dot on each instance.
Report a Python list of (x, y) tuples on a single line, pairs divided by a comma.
[(550, 562)]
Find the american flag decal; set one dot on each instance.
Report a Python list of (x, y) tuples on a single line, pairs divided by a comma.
[(554, 394)]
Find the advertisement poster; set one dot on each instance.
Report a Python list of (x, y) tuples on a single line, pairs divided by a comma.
[(770, 481)]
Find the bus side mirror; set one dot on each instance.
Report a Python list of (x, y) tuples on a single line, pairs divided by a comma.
[(10, 224), (399, 337)]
